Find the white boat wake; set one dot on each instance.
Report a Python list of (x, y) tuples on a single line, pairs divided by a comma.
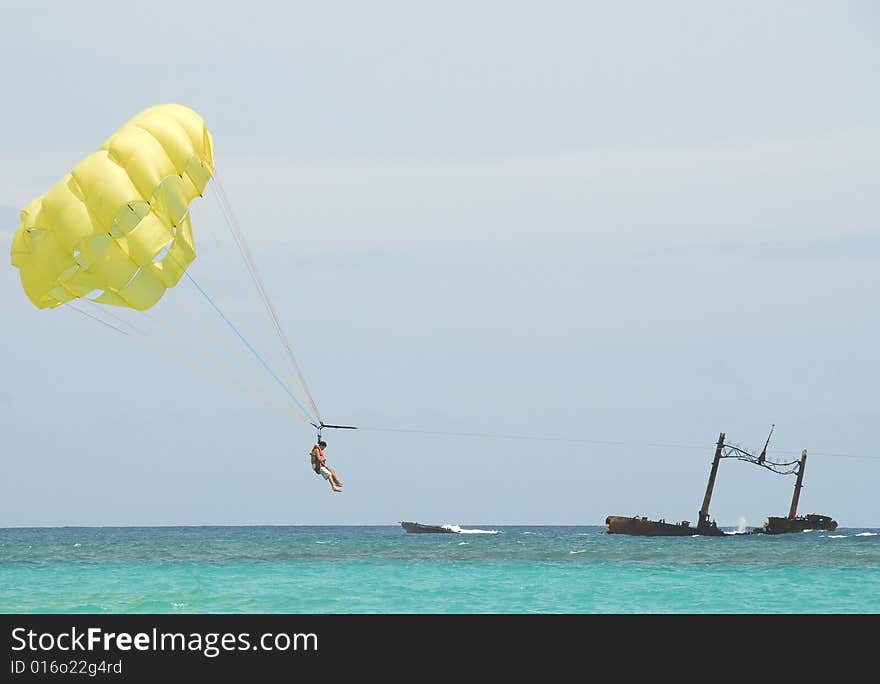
[(456, 528)]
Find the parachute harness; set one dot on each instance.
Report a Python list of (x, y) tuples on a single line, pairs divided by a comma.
[(321, 425)]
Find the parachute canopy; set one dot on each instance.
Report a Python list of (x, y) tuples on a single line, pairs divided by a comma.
[(117, 227)]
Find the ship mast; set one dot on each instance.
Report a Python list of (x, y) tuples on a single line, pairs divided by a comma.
[(792, 513), (703, 519)]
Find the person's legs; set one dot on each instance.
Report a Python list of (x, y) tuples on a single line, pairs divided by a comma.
[(328, 475), (335, 476)]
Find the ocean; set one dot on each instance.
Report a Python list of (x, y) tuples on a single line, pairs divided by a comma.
[(385, 570)]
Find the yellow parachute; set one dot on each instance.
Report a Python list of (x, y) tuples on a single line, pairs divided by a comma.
[(118, 225)]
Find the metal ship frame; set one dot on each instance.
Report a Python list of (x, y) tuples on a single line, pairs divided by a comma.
[(641, 526)]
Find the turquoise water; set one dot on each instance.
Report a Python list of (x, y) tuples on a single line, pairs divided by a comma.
[(382, 569)]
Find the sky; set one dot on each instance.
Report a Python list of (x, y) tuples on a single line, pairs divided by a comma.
[(541, 254)]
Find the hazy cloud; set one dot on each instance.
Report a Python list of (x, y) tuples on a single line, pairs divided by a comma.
[(762, 190)]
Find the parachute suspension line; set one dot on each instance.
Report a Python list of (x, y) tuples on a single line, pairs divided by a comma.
[(222, 343), (313, 421), (120, 319), (238, 236), (94, 318), (204, 360), (152, 342), (204, 352), (241, 243)]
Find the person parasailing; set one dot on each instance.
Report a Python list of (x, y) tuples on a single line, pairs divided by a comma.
[(319, 465), (319, 460), (117, 232)]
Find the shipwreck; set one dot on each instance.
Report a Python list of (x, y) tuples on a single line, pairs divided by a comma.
[(643, 527)]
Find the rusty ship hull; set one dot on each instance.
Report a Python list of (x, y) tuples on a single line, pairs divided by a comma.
[(800, 523), (639, 526), (419, 528)]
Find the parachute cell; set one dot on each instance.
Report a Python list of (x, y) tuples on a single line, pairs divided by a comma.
[(117, 227)]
